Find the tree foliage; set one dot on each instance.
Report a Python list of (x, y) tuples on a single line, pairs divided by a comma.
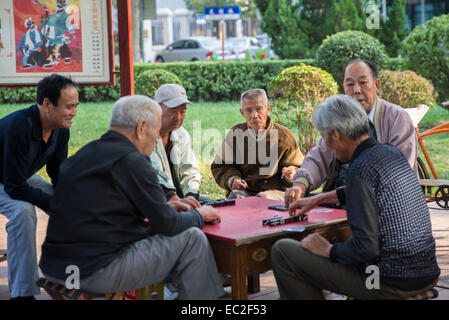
[(281, 23), (309, 21), (393, 29), (314, 20), (294, 94)]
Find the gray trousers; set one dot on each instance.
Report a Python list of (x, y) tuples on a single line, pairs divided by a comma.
[(187, 256), (23, 271), (301, 274)]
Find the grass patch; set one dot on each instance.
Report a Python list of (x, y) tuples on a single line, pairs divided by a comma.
[(435, 116)]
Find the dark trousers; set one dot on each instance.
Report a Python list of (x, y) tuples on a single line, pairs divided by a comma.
[(301, 274)]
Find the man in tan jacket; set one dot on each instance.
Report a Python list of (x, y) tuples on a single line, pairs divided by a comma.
[(389, 123), (257, 157)]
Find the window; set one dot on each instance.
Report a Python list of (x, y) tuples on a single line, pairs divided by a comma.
[(178, 45), (192, 44)]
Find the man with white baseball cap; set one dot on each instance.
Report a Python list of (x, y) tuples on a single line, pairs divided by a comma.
[(173, 158)]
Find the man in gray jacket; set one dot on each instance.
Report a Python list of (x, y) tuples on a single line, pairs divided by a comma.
[(389, 123)]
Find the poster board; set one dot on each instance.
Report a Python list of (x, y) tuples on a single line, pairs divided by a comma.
[(68, 37)]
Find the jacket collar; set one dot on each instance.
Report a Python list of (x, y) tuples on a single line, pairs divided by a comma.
[(36, 123), (364, 145)]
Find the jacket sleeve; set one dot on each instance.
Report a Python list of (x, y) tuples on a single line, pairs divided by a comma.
[(362, 211), (15, 165), (316, 167), (401, 134), (161, 175), (291, 155), (188, 170), (141, 186), (59, 156), (224, 166)]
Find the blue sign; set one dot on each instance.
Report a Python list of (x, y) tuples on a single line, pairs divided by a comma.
[(200, 19), (223, 13)]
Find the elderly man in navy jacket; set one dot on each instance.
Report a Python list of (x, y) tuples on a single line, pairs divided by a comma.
[(29, 139)]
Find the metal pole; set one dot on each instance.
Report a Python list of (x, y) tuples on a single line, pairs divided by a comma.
[(423, 12), (222, 23)]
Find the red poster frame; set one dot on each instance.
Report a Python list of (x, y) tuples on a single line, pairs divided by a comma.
[(110, 53)]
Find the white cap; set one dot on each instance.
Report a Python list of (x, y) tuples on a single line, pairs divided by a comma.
[(171, 95)]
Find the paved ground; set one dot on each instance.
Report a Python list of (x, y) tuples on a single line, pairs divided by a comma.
[(268, 289)]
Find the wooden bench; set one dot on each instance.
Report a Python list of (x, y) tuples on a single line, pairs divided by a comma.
[(3, 255), (59, 292)]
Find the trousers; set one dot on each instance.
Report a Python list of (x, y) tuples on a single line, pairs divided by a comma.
[(23, 270), (302, 275), (187, 256)]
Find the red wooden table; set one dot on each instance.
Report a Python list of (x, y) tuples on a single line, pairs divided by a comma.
[(242, 245)]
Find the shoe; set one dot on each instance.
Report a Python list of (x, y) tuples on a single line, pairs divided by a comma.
[(170, 291), (29, 298), (225, 279)]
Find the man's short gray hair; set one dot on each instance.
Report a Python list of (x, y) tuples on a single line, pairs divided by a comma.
[(253, 94), (343, 113), (128, 110)]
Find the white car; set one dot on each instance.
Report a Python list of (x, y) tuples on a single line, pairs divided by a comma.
[(239, 46), (190, 49)]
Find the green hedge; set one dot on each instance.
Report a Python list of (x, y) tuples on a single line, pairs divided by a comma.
[(210, 81)]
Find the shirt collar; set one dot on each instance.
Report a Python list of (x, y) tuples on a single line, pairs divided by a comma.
[(364, 145), (372, 112), (37, 125)]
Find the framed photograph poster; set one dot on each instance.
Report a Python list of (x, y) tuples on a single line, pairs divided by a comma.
[(69, 37)]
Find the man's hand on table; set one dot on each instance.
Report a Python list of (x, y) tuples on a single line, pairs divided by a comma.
[(238, 184), (289, 172), (317, 244), (210, 214), (184, 204), (303, 205), (294, 193), (191, 201), (178, 204)]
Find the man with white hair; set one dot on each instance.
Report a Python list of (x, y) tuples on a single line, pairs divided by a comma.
[(106, 192), (387, 213), (258, 156)]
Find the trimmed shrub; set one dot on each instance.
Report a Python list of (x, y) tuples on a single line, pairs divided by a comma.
[(427, 50), (406, 89), (149, 81), (340, 48), (294, 94), (222, 81)]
